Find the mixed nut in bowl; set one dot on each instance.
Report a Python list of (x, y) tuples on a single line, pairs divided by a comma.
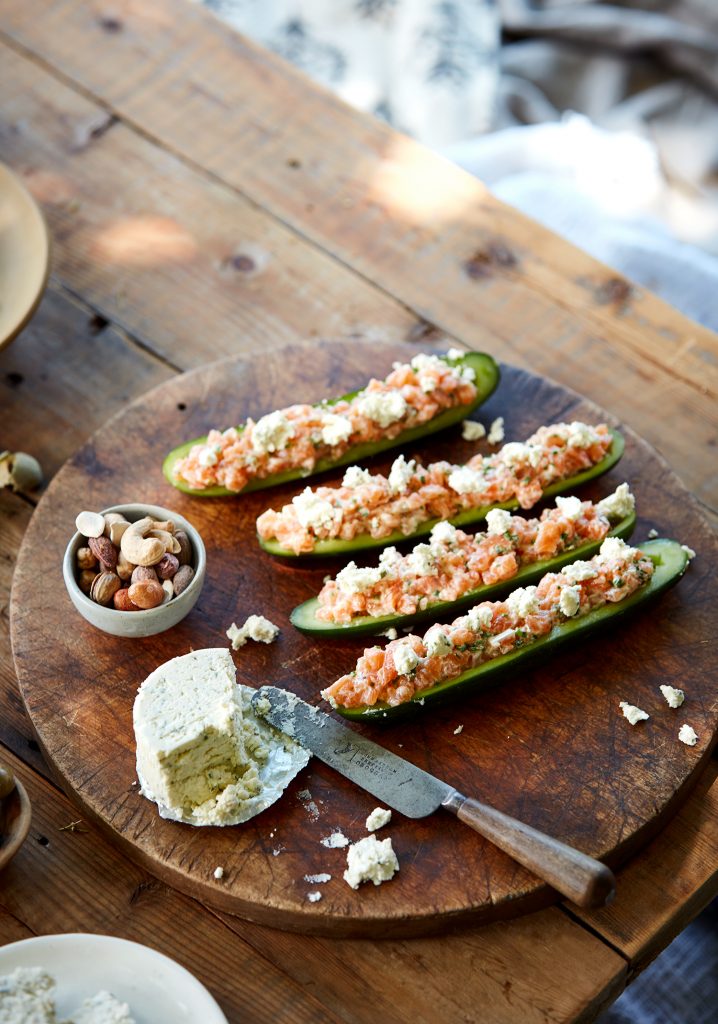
[(134, 570)]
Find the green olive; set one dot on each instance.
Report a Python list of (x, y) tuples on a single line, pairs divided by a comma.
[(7, 782)]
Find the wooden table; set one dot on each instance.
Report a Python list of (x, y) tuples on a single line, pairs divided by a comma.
[(206, 200)]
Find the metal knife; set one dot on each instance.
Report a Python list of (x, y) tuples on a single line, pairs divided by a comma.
[(416, 794)]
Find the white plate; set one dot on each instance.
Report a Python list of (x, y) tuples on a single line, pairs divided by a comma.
[(156, 988)]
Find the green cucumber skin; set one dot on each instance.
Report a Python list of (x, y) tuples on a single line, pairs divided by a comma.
[(670, 561), (487, 379), (303, 615), (328, 548)]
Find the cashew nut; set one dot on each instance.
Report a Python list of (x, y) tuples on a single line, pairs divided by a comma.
[(137, 547), (172, 545), (166, 524), (110, 518)]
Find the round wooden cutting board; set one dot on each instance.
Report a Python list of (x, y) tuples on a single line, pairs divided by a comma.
[(549, 747)]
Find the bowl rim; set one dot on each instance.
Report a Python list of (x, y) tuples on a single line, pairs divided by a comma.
[(134, 508)]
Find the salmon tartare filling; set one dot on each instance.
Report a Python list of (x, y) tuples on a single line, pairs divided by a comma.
[(301, 435), (412, 494), (405, 667), (454, 563)]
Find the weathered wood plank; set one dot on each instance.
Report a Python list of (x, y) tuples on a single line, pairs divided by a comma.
[(75, 881), (672, 880), (183, 263), (382, 197)]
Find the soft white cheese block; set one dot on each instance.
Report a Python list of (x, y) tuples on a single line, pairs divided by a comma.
[(202, 755), (102, 1008)]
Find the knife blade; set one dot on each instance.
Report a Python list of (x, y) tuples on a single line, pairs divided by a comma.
[(417, 794)]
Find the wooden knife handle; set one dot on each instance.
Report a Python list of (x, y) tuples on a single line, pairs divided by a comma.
[(585, 881)]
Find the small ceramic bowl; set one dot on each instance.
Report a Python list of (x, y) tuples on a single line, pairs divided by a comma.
[(151, 620)]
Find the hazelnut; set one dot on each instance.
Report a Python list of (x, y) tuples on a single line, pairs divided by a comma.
[(182, 579), (104, 587), (146, 593), (167, 567), (86, 579), (85, 559), (104, 551), (124, 569), (122, 601)]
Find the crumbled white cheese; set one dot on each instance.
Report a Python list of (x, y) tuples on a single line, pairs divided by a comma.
[(500, 639), (314, 897), (580, 435), (579, 571), (632, 713), (652, 534), (335, 841), (689, 551), (370, 860), (455, 354), (318, 879), (498, 521), (271, 433), (389, 560), (383, 407), (443, 533), (314, 512), (255, 628), (522, 602), (207, 458), (437, 644), (515, 453), (390, 633), (570, 507), (459, 729), (421, 364), (614, 547), (688, 735), (405, 658), (400, 474), (353, 580), (102, 1008), (496, 431), (378, 818), (219, 872), (464, 480), (421, 561), (617, 505), (673, 696), (27, 995), (355, 476), (472, 430), (335, 429), (570, 601), (480, 617)]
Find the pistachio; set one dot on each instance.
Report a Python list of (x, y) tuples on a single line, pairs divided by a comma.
[(104, 587), (182, 579), (167, 567), (104, 551), (85, 559), (144, 572), (184, 555), (146, 593), (90, 524)]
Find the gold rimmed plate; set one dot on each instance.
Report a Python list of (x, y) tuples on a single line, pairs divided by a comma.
[(24, 256)]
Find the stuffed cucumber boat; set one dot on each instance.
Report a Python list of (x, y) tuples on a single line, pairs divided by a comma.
[(496, 639), (456, 570), (416, 399), (372, 510)]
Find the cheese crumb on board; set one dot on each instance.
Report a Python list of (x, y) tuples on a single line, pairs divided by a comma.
[(370, 860), (335, 841), (688, 735), (652, 534), (689, 551), (202, 755), (674, 697), (459, 729), (472, 430), (390, 634), (314, 897), (496, 431), (318, 879), (378, 818), (255, 628), (218, 872), (632, 713)]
